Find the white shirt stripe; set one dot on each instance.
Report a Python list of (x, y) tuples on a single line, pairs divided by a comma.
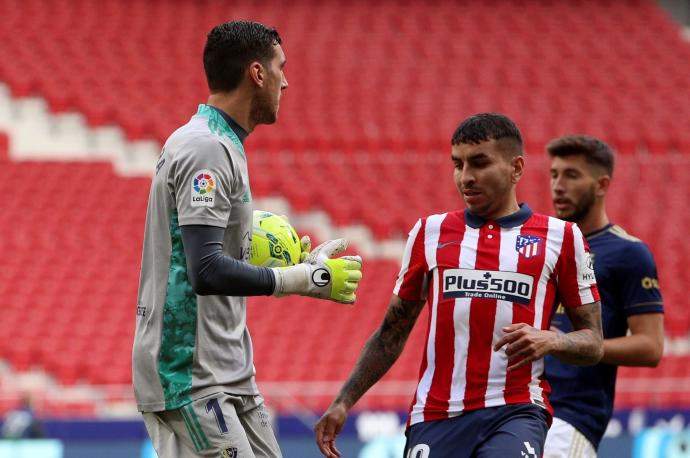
[(584, 287), (407, 254), (431, 236), (461, 319)]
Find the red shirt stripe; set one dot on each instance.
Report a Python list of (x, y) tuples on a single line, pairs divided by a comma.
[(482, 311)]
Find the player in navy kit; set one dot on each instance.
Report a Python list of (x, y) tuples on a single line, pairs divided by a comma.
[(582, 397)]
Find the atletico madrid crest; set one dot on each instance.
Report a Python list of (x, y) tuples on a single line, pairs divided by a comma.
[(528, 245)]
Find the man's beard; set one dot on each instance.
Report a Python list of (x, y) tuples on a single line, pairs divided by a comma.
[(582, 207), (263, 111)]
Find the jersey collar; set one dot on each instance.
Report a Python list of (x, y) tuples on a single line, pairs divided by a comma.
[(598, 232), (513, 220), (239, 131)]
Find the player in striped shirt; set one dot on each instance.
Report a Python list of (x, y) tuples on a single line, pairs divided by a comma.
[(582, 397), (491, 276)]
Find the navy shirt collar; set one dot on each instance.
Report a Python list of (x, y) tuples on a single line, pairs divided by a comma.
[(239, 131), (512, 220), (598, 232)]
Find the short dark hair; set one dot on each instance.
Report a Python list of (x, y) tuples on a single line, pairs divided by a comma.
[(483, 127), (231, 46), (595, 151)]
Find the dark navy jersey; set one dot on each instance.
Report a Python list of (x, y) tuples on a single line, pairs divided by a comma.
[(627, 279)]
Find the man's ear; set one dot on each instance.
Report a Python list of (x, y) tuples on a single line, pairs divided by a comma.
[(257, 73), (603, 183), (518, 165)]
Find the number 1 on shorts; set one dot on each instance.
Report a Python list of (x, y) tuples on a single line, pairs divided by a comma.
[(212, 404)]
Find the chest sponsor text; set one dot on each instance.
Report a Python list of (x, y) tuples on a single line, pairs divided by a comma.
[(488, 284)]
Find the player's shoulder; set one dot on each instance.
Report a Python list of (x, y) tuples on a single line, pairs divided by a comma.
[(549, 222), (195, 141), (617, 239), (438, 217), (618, 233), (433, 222)]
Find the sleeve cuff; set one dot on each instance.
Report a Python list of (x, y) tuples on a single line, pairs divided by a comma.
[(204, 221)]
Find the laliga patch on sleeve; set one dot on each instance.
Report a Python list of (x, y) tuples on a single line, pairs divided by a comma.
[(204, 185)]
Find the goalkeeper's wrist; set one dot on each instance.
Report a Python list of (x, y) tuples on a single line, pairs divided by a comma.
[(291, 280)]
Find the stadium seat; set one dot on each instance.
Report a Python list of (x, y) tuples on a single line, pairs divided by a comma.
[(4, 146)]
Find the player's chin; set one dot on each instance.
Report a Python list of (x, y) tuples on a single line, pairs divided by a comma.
[(271, 118), (475, 206), (565, 215)]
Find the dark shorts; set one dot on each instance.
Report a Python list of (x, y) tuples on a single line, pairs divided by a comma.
[(517, 430)]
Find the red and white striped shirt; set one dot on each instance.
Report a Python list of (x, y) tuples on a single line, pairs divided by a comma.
[(477, 277)]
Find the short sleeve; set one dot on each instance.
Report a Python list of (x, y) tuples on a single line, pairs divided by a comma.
[(202, 180), (412, 281), (639, 284), (575, 270)]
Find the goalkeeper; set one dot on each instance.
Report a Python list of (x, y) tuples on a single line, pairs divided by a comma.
[(193, 370)]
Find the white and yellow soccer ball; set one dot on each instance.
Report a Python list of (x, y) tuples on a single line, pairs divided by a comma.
[(274, 241)]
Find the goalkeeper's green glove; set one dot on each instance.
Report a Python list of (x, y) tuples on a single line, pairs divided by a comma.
[(320, 276)]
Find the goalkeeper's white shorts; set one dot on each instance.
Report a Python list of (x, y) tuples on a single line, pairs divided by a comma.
[(564, 441)]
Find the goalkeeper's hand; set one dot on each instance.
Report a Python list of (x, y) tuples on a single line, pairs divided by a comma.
[(320, 276), (305, 246)]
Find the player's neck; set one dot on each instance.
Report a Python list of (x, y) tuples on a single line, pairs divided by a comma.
[(510, 207), (235, 105), (594, 220)]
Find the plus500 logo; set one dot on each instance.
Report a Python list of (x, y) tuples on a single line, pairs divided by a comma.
[(488, 284)]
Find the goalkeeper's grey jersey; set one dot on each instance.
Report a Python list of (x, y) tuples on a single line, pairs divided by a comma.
[(188, 346)]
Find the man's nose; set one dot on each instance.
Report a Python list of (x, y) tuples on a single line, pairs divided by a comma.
[(467, 177)]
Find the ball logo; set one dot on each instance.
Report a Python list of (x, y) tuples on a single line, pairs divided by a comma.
[(320, 277), (203, 189), (277, 250)]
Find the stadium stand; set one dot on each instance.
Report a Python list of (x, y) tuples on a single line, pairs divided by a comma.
[(367, 84), (368, 108)]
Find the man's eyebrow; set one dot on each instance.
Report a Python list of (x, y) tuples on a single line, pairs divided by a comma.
[(567, 169), (478, 155)]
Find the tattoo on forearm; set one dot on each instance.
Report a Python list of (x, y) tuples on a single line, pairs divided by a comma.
[(381, 350), (585, 344)]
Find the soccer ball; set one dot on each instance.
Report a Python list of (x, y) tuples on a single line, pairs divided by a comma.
[(274, 241)]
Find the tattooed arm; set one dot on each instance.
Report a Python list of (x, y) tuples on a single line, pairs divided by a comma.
[(583, 346), (380, 352)]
